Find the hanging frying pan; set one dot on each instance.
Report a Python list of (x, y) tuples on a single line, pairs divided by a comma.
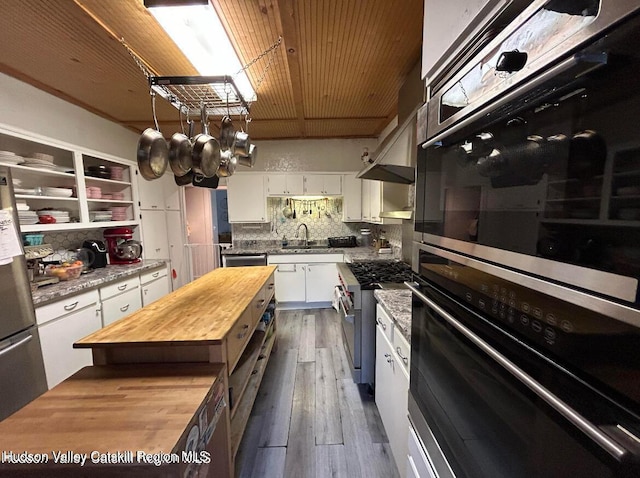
[(153, 152), (227, 134), (180, 151), (202, 182), (184, 180), (206, 150)]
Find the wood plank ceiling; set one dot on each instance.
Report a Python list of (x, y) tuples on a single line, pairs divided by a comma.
[(336, 73)]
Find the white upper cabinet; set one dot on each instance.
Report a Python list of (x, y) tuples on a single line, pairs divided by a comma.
[(151, 193), (448, 26), (285, 184), (315, 184), (382, 196), (351, 198), (323, 184), (162, 193), (246, 198)]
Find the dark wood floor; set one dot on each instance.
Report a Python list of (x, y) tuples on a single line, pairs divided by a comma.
[(310, 419)]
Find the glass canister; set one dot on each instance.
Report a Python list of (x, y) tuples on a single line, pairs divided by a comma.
[(365, 237)]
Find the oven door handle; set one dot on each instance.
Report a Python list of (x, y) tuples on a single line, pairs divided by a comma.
[(342, 298), (588, 428)]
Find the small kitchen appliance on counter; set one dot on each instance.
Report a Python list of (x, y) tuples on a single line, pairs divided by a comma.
[(342, 241), (35, 268), (121, 247), (99, 250)]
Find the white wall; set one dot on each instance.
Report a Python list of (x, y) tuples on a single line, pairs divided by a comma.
[(311, 154), (24, 107)]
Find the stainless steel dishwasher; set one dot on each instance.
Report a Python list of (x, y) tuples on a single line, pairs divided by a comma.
[(241, 260)]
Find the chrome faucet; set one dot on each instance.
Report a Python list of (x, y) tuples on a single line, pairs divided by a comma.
[(306, 234)]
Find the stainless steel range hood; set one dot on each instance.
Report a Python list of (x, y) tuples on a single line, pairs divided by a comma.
[(392, 159)]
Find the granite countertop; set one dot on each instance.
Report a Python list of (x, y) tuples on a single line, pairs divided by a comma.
[(93, 279), (397, 303), (352, 254)]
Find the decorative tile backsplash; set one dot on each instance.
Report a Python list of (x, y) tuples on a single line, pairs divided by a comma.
[(64, 241), (321, 226)]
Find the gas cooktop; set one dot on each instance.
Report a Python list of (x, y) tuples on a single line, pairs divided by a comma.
[(371, 274)]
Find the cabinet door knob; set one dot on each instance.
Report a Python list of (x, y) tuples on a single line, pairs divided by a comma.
[(155, 274), (122, 287), (124, 308)]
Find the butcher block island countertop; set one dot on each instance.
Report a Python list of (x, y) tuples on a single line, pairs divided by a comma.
[(124, 420), (199, 313)]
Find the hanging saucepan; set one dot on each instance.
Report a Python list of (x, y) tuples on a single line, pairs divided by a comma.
[(227, 134), (250, 159), (228, 163), (153, 152), (180, 151), (241, 143), (206, 151)]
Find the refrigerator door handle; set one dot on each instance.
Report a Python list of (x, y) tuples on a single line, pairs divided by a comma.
[(16, 345)]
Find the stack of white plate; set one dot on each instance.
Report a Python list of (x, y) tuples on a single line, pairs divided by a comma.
[(22, 206), (60, 216), (57, 192), (41, 161), (27, 217), (43, 157), (9, 157), (100, 216)]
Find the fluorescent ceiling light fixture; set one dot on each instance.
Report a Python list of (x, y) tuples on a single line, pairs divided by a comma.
[(198, 32)]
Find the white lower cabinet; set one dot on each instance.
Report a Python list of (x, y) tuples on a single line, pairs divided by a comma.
[(392, 392), (62, 323), (154, 285), (120, 299), (320, 282), (309, 278), (290, 283), (120, 306)]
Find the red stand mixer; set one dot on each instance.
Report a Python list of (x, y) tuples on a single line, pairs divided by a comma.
[(121, 246)]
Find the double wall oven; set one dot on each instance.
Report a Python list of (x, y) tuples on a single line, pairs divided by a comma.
[(525, 344)]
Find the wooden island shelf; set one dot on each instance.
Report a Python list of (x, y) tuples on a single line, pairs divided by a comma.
[(215, 319)]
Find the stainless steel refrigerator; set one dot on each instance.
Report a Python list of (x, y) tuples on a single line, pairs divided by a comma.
[(22, 376)]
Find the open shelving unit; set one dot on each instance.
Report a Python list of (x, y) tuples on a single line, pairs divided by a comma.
[(68, 170)]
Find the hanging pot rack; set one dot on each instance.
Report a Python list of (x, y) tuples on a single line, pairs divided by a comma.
[(218, 94), (189, 94)]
